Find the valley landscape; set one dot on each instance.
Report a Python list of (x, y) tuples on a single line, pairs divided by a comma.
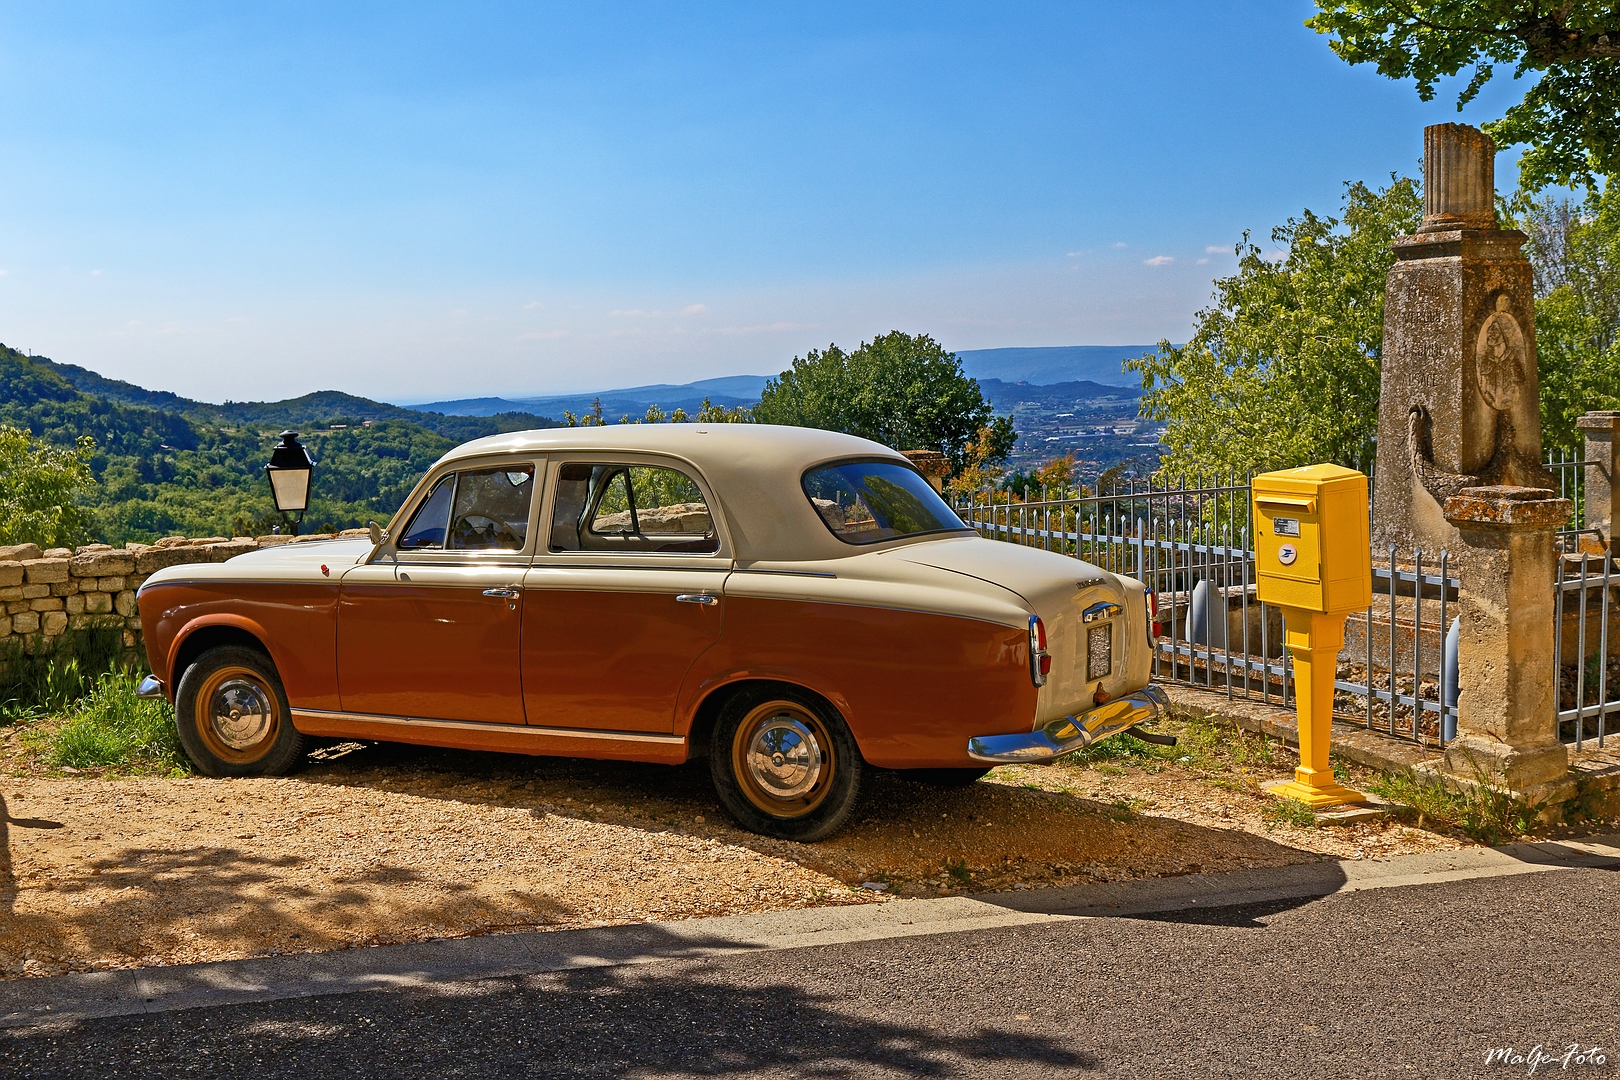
[(170, 465)]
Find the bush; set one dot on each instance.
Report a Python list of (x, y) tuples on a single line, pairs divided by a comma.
[(111, 727)]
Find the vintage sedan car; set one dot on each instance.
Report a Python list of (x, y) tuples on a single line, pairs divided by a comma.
[(798, 606)]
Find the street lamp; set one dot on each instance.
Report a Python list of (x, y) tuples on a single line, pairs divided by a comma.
[(289, 469)]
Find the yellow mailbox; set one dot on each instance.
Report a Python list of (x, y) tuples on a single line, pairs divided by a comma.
[(1313, 559)]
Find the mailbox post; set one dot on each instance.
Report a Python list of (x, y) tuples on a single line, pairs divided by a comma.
[(1314, 560)]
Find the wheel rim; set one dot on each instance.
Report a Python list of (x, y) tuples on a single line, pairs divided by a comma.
[(237, 714), (783, 759)]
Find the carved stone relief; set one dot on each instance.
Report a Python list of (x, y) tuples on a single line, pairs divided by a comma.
[(1499, 358)]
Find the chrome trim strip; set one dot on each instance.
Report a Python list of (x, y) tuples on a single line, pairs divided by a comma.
[(790, 573), (1072, 732), (471, 725), (151, 687)]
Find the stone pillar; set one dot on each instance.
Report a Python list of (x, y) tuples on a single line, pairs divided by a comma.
[(932, 464), (1458, 405), (1507, 720), (1602, 431)]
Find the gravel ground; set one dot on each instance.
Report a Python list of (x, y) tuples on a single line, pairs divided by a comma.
[(393, 843)]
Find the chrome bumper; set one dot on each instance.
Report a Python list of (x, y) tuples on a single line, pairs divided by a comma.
[(1070, 733), (151, 686)]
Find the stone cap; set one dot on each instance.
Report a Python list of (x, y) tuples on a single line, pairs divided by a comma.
[(1459, 178), (1599, 420), (1504, 506)]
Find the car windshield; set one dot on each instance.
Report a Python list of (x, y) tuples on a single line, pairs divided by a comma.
[(863, 502)]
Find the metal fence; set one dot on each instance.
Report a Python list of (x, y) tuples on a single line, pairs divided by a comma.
[(1587, 672), (1189, 542)]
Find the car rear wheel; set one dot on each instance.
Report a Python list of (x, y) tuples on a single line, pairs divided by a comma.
[(784, 764), (232, 715)]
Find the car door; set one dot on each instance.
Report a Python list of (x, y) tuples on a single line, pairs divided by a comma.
[(431, 626), (624, 595)]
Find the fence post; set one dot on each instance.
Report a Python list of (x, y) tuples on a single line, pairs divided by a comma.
[(1600, 430), (1507, 712)]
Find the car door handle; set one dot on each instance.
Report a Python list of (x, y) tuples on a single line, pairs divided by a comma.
[(697, 598), (508, 593)]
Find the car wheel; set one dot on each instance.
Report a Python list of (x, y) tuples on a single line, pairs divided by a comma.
[(944, 778), (232, 715), (784, 764)]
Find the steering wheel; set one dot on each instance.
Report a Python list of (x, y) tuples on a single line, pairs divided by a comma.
[(476, 531)]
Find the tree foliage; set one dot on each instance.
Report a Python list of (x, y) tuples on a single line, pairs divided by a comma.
[(1575, 249), (1283, 368), (901, 390), (1567, 118), (40, 490)]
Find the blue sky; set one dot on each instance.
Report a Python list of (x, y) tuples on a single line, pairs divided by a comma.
[(418, 201)]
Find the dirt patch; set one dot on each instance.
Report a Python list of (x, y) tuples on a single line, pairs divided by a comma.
[(389, 844)]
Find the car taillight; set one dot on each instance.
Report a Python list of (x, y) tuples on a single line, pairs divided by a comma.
[(1040, 661), (1153, 628)]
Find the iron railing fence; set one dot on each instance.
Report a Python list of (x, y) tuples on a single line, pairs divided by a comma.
[(1588, 673), (1569, 470), (1189, 542)]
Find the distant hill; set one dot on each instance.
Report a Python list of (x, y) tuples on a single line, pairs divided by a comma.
[(166, 464), (319, 409), (729, 391), (1057, 364), (1004, 395)]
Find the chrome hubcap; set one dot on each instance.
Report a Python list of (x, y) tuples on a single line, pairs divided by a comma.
[(783, 757), (241, 714)]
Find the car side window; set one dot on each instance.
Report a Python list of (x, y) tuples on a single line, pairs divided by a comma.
[(640, 508), (491, 509), (429, 524)]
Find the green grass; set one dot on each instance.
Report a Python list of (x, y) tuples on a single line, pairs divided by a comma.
[(1480, 812), (38, 683), (111, 728), (1290, 812)]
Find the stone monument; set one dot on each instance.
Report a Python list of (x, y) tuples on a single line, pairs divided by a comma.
[(1458, 406)]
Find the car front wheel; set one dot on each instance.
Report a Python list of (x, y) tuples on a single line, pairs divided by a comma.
[(232, 715), (784, 764)]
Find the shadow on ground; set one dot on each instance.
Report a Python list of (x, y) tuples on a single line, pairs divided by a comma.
[(917, 838)]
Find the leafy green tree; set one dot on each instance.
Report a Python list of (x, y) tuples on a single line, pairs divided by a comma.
[(1283, 368), (1575, 249), (1567, 117), (40, 486), (901, 390)]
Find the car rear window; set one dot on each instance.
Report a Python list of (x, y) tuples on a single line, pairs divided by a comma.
[(864, 502)]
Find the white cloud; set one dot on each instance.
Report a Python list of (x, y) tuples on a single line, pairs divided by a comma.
[(95, 273), (531, 305), (694, 309), (548, 335), (1216, 249), (1118, 244), (1159, 260), (1074, 254), (1201, 262)]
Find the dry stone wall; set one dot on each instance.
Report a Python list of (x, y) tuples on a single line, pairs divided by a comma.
[(49, 593)]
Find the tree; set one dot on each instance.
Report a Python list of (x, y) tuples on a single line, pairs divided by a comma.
[(1283, 368), (903, 391), (39, 486), (1575, 250), (984, 458), (1567, 118)]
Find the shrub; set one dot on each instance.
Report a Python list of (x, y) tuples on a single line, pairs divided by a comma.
[(46, 681), (1479, 811)]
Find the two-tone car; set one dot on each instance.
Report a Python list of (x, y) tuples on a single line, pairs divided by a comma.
[(798, 606)]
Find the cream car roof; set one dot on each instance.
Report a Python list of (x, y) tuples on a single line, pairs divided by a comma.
[(754, 471)]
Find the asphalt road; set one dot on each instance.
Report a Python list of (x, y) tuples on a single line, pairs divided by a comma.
[(1399, 982)]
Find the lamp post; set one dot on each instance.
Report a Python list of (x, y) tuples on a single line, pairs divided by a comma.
[(289, 471)]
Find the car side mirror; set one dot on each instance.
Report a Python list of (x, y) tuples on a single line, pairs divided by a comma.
[(378, 534)]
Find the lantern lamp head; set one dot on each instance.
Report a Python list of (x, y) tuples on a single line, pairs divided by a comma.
[(289, 472)]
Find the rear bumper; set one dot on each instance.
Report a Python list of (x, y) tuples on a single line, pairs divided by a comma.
[(1070, 733)]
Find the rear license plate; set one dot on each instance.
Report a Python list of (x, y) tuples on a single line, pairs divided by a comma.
[(1099, 652)]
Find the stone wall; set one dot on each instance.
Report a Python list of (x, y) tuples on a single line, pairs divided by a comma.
[(49, 593)]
